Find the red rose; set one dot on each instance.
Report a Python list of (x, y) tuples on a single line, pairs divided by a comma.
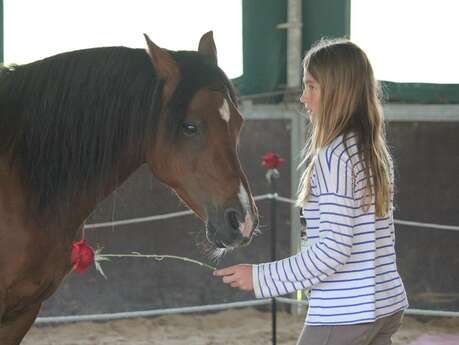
[(82, 256), (272, 161)]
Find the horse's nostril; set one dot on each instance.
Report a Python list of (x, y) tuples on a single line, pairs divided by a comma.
[(232, 219), (220, 244)]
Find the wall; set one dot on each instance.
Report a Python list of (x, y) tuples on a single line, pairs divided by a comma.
[(427, 170)]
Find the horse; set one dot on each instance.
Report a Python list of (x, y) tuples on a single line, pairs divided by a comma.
[(74, 126)]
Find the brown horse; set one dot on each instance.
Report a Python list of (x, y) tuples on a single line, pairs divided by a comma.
[(74, 126)]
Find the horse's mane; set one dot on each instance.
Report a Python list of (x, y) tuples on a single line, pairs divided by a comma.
[(66, 121)]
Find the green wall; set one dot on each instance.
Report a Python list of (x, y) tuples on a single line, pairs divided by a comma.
[(422, 93), (326, 18), (264, 45)]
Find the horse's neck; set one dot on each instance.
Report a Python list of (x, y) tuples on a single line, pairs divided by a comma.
[(14, 206), (89, 199)]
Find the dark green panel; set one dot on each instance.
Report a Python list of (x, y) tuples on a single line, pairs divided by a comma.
[(420, 93), (326, 18), (264, 46)]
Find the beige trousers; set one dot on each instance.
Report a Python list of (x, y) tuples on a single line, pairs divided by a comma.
[(373, 333)]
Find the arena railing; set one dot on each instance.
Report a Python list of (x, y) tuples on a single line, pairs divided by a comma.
[(223, 306)]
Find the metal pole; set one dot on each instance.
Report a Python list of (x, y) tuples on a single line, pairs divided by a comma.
[(1, 31), (294, 44), (298, 129), (273, 253)]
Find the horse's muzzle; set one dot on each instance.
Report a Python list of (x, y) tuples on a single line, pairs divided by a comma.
[(231, 228)]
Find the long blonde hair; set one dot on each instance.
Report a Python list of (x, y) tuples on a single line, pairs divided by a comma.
[(349, 101)]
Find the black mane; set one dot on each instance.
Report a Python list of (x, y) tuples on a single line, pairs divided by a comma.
[(67, 121)]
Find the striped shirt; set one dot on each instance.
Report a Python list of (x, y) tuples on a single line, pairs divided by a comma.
[(349, 264)]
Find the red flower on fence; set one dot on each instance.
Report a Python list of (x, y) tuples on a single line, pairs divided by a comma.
[(82, 256), (272, 160)]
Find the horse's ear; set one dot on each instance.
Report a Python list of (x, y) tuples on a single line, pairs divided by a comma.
[(207, 46), (165, 66), (163, 63)]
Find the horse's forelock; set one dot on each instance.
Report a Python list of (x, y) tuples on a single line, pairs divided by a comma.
[(197, 72)]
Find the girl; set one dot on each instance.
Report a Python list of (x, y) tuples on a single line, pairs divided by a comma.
[(346, 194)]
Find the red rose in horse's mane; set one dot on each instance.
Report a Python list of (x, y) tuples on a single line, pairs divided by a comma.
[(82, 256), (272, 160)]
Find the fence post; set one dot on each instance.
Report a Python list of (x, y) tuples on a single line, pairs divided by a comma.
[(271, 162), (273, 253)]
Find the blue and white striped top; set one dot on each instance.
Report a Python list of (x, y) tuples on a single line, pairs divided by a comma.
[(349, 263)]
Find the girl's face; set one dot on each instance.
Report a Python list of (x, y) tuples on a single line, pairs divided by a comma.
[(311, 95)]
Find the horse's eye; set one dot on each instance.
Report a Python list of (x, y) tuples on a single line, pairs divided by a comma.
[(190, 129)]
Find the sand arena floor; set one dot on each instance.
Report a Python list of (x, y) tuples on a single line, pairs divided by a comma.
[(232, 327)]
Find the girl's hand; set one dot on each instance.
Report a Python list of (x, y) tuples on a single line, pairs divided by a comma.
[(239, 276)]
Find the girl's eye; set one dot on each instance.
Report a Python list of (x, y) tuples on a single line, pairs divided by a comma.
[(189, 129)]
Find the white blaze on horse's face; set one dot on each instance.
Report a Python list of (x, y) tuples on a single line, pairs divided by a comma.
[(225, 111), (247, 226)]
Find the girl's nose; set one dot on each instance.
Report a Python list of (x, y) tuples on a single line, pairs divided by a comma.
[(302, 98)]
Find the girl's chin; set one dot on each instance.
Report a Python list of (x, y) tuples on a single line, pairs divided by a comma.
[(312, 119)]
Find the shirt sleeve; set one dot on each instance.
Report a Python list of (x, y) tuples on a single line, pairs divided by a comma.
[(317, 262)]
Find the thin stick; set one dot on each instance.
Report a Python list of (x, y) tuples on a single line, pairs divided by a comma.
[(157, 257)]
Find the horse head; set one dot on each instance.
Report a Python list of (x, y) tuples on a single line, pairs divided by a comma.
[(195, 150)]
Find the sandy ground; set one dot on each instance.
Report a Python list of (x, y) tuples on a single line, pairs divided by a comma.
[(232, 327)]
